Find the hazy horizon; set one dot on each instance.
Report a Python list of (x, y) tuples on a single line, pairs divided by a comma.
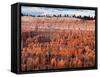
[(28, 10)]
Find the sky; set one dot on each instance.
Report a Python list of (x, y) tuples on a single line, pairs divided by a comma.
[(28, 10)]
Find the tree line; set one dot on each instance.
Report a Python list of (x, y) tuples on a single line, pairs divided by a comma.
[(66, 15)]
